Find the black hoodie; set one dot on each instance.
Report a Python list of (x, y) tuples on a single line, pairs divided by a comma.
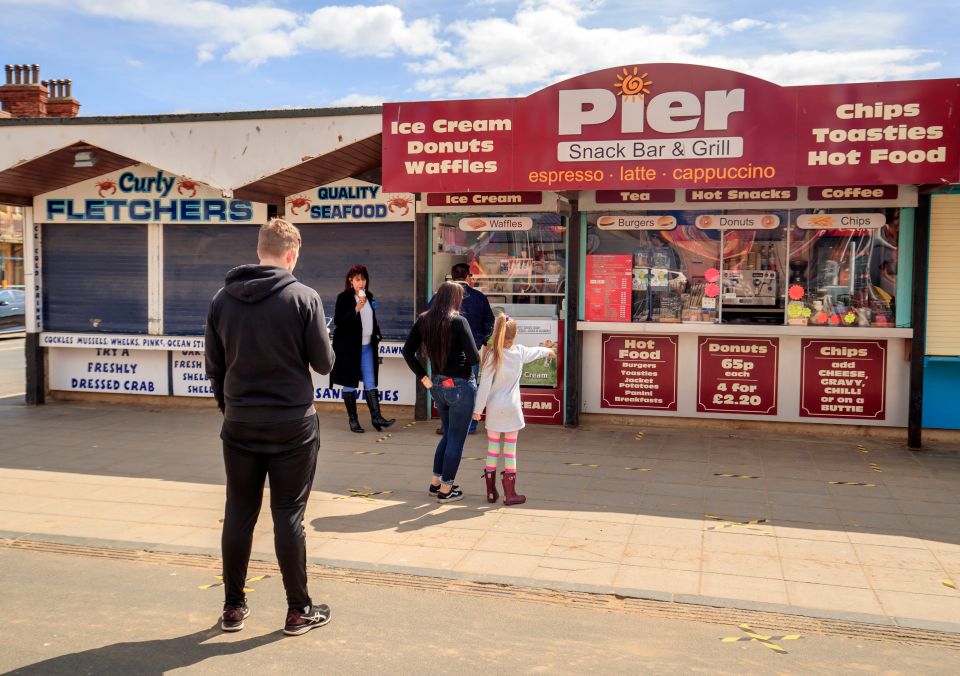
[(264, 330)]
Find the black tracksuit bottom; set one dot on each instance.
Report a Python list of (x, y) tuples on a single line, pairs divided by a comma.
[(287, 453)]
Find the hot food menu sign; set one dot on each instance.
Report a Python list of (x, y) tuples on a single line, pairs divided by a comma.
[(675, 125)]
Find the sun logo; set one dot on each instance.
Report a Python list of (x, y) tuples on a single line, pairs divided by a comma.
[(632, 85)]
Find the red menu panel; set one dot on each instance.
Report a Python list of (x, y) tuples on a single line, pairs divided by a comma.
[(843, 378), (737, 375), (609, 288), (639, 371)]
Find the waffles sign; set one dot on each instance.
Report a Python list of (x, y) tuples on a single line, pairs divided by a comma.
[(349, 201)]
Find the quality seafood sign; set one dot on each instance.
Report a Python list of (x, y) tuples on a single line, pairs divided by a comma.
[(143, 194), (656, 126), (349, 201)]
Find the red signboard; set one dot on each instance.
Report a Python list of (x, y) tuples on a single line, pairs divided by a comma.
[(737, 375), (853, 192), (639, 371), (676, 125), (665, 196), (843, 378), (609, 288), (485, 199)]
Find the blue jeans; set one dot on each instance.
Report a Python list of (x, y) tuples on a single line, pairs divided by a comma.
[(476, 375), (366, 370), (455, 405)]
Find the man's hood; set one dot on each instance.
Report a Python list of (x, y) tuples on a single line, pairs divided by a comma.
[(253, 283)]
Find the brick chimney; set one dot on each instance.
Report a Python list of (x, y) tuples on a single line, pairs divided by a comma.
[(61, 102), (24, 95)]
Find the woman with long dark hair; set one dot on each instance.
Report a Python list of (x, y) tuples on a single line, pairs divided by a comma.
[(443, 335), (356, 342)]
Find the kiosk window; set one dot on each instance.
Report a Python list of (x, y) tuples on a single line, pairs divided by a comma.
[(196, 259), (95, 278)]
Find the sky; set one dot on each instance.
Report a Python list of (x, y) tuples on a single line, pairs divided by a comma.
[(180, 56)]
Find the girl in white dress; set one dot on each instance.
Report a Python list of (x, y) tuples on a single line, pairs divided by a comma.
[(499, 392)]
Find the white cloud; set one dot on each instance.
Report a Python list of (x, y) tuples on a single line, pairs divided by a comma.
[(132, 62), (357, 99)]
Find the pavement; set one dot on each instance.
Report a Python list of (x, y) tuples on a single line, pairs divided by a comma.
[(12, 366), (690, 515), (155, 614)]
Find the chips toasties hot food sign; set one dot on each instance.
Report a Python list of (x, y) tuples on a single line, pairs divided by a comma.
[(655, 126), (144, 194), (349, 200)]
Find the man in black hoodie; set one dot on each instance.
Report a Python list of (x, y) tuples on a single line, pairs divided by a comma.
[(264, 332)]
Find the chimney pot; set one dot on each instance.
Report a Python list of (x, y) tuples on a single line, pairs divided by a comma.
[(35, 68), (9, 70)]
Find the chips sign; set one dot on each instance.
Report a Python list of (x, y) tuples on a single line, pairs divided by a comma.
[(655, 126)]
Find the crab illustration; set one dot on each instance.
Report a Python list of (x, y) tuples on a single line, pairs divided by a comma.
[(104, 186), (184, 185), (398, 203), (297, 203)]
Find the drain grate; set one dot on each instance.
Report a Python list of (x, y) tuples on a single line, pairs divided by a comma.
[(603, 602)]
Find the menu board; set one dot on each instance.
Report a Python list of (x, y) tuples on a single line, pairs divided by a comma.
[(639, 371), (737, 375), (609, 288), (843, 378)]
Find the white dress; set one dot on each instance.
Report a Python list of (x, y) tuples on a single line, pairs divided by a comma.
[(500, 392)]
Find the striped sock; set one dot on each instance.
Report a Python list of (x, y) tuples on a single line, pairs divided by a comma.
[(493, 451), (510, 452)]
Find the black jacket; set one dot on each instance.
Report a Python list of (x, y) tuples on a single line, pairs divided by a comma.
[(461, 355), (348, 340), (264, 331)]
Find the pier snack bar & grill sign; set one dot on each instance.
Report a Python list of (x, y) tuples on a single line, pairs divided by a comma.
[(658, 126)]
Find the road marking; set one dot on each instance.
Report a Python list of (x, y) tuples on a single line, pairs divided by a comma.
[(949, 583), (639, 435), (472, 457), (580, 464), (852, 483), (638, 469), (766, 641), (730, 523), (409, 425), (876, 468), (364, 492), (246, 590), (862, 449), (384, 438), (737, 476), (367, 453)]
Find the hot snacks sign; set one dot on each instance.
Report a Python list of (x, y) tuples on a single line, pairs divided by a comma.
[(639, 372), (655, 126)]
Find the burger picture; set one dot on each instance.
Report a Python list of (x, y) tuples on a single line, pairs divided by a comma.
[(606, 222)]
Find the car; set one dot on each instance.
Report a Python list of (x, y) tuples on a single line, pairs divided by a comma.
[(12, 310)]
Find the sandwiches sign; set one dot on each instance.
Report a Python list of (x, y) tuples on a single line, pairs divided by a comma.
[(660, 126)]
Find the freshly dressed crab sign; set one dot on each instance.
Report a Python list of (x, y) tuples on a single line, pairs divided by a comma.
[(144, 194), (349, 201)]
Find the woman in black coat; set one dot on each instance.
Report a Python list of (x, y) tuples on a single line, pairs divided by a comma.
[(356, 342)]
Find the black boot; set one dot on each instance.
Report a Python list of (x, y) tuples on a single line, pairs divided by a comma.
[(373, 403), (350, 401)]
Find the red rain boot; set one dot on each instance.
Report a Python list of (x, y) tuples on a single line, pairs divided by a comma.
[(510, 496), (491, 477)]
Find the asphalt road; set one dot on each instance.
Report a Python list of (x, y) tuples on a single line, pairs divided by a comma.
[(65, 613), (12, 367)]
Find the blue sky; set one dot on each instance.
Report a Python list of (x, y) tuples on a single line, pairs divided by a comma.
[(172, 56)]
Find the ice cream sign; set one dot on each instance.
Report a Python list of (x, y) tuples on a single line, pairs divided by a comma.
[(144, 194), (349, 201)]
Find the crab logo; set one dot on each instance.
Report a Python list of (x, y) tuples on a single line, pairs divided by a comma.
[(185, 185), (105, 186), (298, 203), (398, 203)]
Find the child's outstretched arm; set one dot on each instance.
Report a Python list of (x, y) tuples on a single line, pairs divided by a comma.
[(529, 354)]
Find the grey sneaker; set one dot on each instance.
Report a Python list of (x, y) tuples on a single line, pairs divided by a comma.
[(302, 621)]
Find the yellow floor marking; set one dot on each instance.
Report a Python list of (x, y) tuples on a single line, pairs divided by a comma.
[(765, 641), (580, 464), (365, 492), (367, 453), (852, 483), (246, 590), (949, 583), (737, 476), (638, 469)]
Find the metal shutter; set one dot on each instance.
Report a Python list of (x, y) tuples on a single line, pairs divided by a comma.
[(943, 296), (95, 278), (385, 248), (196, 258)]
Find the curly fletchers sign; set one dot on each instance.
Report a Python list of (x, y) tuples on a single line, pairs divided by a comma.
[(672, 126)]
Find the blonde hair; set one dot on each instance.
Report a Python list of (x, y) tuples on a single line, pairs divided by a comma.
[(504, 331), (276, 238)]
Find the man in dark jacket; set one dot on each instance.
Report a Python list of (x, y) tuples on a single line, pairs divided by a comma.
[(476, 309), (264, 331)]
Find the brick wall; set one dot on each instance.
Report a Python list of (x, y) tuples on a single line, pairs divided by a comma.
[(25, 95)]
